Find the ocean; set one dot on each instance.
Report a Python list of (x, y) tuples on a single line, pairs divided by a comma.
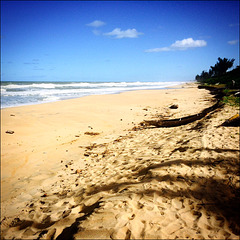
[(26, 93)]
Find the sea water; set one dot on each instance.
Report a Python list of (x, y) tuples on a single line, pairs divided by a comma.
[(26, 93)]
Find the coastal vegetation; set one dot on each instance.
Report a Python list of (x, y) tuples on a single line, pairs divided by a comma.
[(231, 100), (219, 77), (218, 74)]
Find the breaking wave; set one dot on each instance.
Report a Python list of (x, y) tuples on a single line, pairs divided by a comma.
[(24, 93)]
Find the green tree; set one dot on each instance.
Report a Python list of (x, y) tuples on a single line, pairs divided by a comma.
[(204, 75), (221, 66)]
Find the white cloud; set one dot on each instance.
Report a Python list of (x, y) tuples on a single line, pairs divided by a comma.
[(96, 23), (233, 42), (129, 33), (188, 43), (180, 45), (164, 49), (96, 32)]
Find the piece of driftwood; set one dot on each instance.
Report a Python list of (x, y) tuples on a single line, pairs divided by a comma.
[(10, 132), (91, 133), (234, 121), (174, 106), (216, 91), (180, 121)]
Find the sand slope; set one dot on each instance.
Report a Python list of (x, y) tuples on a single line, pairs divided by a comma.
[(164, 183)]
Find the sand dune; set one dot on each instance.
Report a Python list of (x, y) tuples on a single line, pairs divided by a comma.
[(154, 183)]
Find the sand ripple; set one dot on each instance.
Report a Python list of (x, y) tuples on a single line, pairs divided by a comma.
[(161, 183)]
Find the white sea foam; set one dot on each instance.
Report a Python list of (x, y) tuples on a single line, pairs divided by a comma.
[(51, 99), (43, 85), (23, 93)]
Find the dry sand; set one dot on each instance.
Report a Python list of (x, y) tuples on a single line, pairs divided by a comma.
[(76, 169)]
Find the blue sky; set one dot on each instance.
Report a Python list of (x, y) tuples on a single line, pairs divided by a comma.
[(115, 40)]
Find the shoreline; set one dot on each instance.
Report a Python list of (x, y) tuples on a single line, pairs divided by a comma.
[(91, 87), (123, 91), (66, 156)]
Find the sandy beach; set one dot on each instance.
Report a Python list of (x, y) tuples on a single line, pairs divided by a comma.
[(82, 169)]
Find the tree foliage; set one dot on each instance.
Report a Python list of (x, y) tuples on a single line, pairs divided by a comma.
[(221, 66), (218, 74), (204, 75)]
